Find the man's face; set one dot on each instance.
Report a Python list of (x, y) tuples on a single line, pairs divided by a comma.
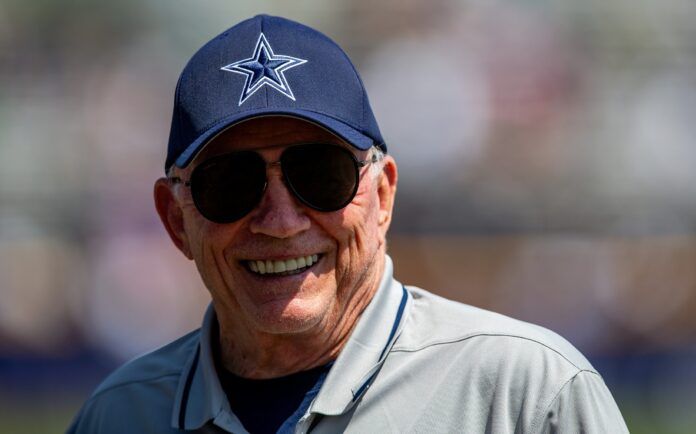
[(348, 244)]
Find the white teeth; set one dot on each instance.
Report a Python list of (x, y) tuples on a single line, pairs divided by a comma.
[(291, 265), (264, 267)]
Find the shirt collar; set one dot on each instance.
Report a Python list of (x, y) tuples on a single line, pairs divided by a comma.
[(200, 397), (376, 331)]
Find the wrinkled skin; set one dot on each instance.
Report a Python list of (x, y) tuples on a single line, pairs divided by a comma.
[(273, 326)]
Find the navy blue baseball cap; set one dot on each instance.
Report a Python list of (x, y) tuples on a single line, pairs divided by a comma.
[(268, 66)]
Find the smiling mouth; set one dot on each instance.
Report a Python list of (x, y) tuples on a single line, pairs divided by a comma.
[(284, 267)]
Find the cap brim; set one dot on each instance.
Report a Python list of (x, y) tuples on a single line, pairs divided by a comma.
[(341, 129)]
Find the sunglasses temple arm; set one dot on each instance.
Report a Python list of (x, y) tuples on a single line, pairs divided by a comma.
[(177, 180)]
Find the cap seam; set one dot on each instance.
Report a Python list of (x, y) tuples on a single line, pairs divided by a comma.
[(357, 77), (177, 107), (265, 88)]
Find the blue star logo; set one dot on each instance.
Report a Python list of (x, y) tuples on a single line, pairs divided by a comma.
[(264, 68)]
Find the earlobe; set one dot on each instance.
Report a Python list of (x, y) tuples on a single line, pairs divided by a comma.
[(387, 191), (171, 215)]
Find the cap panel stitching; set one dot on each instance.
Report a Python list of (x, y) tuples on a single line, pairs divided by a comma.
[(265, 88), (178, 126)]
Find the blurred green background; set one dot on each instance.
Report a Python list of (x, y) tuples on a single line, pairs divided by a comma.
[(547, 171)]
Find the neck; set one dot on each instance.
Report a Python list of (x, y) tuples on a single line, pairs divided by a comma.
[(253, 354)]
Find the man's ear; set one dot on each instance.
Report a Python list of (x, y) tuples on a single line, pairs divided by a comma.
[(386, 189), (171, 214)]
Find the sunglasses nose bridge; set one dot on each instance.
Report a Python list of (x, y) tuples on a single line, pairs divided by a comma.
[(272, 164), (274, 168)]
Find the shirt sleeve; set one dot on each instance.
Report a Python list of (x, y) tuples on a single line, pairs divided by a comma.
[(91, 420), (584, 405), (82, 423)]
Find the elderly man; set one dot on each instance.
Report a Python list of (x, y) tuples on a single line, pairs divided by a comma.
[(279, 189)]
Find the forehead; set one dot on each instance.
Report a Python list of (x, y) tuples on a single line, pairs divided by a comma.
[(268, 132)]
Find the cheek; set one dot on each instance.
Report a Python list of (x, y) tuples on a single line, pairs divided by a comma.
[(196, 227), (207, 242), (356, 229), (355, 220), (365, 210)]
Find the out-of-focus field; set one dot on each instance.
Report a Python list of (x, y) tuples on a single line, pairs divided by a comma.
[(37, 417)]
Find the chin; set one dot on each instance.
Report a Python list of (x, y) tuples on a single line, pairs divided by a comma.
[(289, 318)]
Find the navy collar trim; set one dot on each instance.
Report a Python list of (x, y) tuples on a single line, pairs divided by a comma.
[(187, 388), (390, 342)]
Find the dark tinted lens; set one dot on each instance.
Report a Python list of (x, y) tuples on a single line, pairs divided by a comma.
[(228, 187), (324, 177)]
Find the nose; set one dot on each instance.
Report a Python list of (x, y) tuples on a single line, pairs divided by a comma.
[(279, 214)]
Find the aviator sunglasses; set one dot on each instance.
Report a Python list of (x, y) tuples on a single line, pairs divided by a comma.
[(227, 187)]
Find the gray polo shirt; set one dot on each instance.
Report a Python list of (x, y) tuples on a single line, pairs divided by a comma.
[(415, 362)]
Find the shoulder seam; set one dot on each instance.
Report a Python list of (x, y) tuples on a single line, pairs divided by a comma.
[(128, 383), (464, 338), (540, 416)]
